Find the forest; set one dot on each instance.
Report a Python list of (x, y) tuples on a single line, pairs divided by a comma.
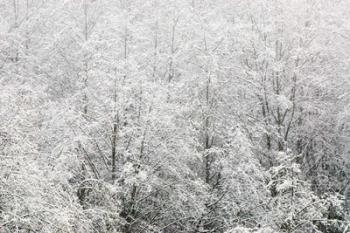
[(174, 116)]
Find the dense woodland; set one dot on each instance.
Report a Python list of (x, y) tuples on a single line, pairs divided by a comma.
[(174, 116)]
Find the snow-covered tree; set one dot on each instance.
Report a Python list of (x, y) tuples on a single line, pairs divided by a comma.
[(174, 116)]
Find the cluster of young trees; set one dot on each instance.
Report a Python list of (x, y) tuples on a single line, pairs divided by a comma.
[(185, 116)]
